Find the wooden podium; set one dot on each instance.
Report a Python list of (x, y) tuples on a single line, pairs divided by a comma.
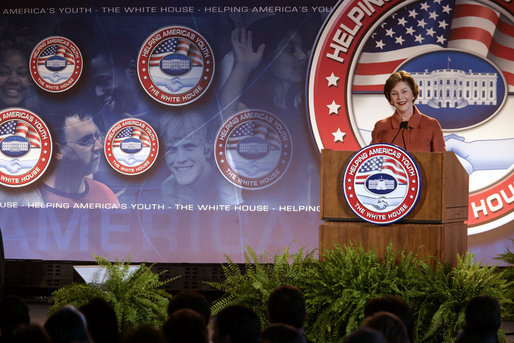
[(435, 227)]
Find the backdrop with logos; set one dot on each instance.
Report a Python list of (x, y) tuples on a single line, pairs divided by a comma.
[(184, 131)]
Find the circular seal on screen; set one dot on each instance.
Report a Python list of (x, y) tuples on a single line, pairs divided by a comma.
[(253, 149), (25, 147), (131, 146), (56, 64), (464, 82), (175, 65), (381, 183)]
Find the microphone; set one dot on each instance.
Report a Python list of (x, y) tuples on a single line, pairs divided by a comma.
[(403, 125)]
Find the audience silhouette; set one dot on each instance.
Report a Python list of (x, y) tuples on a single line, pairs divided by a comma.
[(281, 333), (13, 312), (389, 325), (388, 319), (394, 305), (483, 320), (185, 326), (67, 325), (101, 320)]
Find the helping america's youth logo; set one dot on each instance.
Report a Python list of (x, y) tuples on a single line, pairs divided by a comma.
[(25, 147), (381, 183), (175, 65), (131, 146), (253, 149), (459, 52), (56, 64)]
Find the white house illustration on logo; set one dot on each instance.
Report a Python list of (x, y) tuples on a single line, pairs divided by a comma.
[(381, 184), (454, 88)]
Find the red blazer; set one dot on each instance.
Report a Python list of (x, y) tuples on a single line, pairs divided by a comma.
[(422, 134)]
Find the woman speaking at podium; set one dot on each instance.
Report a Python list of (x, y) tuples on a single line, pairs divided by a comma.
[(407, 127)]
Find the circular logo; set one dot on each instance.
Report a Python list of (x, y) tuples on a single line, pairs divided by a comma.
[(253, 149), (464, 83), (131, 146), (56, 64), (381, 183), (175, 65), (25, 147)]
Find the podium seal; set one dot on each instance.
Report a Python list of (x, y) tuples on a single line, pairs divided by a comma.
[(175, 65), (25, 147), (253, 149), (381, 183), (56, 64), (131, 146)]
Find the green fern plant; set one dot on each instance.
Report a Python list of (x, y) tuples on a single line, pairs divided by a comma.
[(339, 287), (260, 275), (137, 297), (508, 257), (441, 314)]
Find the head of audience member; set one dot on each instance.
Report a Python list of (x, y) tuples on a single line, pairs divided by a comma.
[(146, 333), (185, 326), (483, 320), (101, 320), (389, 325), (193, 300), (188, 142), (31, 333), (15, 80), (13, 312), (78, 142), (281, 333), (394, 305), (365, 335), (67, 325), (287, 305), (483, 313), (236, 324)]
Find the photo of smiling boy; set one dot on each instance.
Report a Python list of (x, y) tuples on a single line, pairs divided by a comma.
[(188, 141)]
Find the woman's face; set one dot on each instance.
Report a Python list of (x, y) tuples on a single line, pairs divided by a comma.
[(14, 77), (291, 61), (402, 97)]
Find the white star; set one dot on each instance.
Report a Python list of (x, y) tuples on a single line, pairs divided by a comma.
[(400, 40), (421, 23), (425, 6), (338, 135), (332, 80), (441, 39), (413, 13), (402, 21), (447, 9), (419, 39), (333, 108), (443, 24), (410, 31), (433, 15), (389, 32), (437, 1), (380, 44), (430, 32)]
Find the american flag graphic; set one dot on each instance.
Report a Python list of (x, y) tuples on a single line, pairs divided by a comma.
[(381, 163), (131, 132), (22, 129), (253, 129), (176, 46), (425, 26), (56, 50)]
